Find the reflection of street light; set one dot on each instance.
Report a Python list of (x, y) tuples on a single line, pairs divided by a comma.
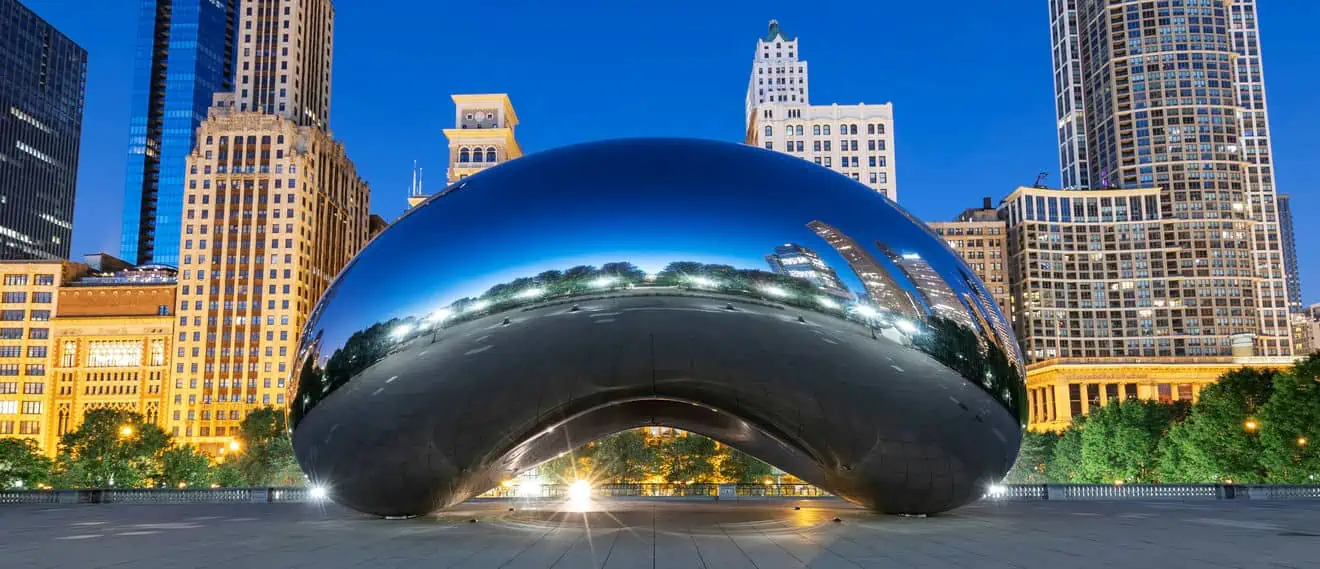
[(531, 292), (401, 331), (317, 492), (773, 290), (603, 282), (865, 311), (440, 315), (826, 302), (478, 305)]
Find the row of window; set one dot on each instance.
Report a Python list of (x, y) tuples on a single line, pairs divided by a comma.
[(12, 279), (17, 351), (824, 130), (11, 407), (17, 333), (826, 146), (24, 427), (20, 315), (33, 370), (29, 388), (21, 297)]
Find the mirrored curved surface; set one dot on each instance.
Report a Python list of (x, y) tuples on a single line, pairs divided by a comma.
[(754, 297)]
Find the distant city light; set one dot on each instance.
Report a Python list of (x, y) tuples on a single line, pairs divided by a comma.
[(531, 292)]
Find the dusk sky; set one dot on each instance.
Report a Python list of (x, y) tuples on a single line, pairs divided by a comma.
[(971, 87)]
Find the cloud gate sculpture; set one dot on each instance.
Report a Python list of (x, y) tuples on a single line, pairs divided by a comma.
[(750, 296)]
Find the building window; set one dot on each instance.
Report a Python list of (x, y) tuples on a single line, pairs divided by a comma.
[(769, 131), (15, 280), (31, 407), (14, 297), (114, 353)]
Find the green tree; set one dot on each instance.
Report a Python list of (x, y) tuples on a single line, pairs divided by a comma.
[(739, 466), (623, 457), (22, 465), (112, 448), (688, 458), (1121, 439), (1220, 439), (227, 474), (184, 465), (267, 454), (1032, 465), (1065, 464), (1290, 426)]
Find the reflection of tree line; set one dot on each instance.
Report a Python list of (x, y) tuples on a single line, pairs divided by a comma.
[(983, 363), (368, 346)]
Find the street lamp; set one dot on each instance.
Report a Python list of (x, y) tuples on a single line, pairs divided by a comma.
[(1301, 441), (1250, 425), (234, 446), (125, 431)]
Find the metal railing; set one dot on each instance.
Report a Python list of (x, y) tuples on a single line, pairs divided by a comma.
[(1006, 492)]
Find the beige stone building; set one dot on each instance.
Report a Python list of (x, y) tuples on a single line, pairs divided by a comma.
[(111, 344), (854, 140), (29, 296), (273, 209), (483, 136), (980, 238)]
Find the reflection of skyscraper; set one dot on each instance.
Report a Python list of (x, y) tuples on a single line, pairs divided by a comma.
[(795, 260), (879, 284), (981, 306), (939, 296)]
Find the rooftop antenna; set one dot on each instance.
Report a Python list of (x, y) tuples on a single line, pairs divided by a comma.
[(420, 171), (1040, 180)]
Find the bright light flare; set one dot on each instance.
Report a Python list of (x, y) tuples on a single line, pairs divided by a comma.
[(905, 325), (604, 282), (531, 292), (478, 305), (317, 492), (775, 291), (579, 491), (996, 491), (703, 282), (866, 311), (401, 331), (440, 315), (827, 303)]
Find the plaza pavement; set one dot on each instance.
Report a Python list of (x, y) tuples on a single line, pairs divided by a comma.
[(639, 533)]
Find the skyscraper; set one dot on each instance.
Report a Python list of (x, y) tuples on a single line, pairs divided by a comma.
[(881, 288), (1172, 96), (1290, 265), (273, 210), (185, 54), (795, 260), (854, 140), (43, 77)]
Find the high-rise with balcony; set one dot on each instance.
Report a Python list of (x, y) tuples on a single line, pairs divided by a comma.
[(184, 55), (273, 209), (43, 76), (854, 140), (1170, 94), (1291, 267)]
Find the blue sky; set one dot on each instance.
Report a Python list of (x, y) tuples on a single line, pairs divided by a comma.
[(971, 87)]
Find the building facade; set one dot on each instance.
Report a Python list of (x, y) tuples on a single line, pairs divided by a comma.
[(1059, 390), (273, 209), (1310, 324), (795, 260), (110, 347), (979, 237), (41, 107), (881, 286), (1181, 107), (184, 55), (854, 140), (1291, 267), (483, 136), (29, 297)]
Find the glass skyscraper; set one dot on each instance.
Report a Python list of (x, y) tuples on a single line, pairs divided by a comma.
[(43, 77), (185, 54)]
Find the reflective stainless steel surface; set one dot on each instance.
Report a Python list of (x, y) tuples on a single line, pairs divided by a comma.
[(751, 296)]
